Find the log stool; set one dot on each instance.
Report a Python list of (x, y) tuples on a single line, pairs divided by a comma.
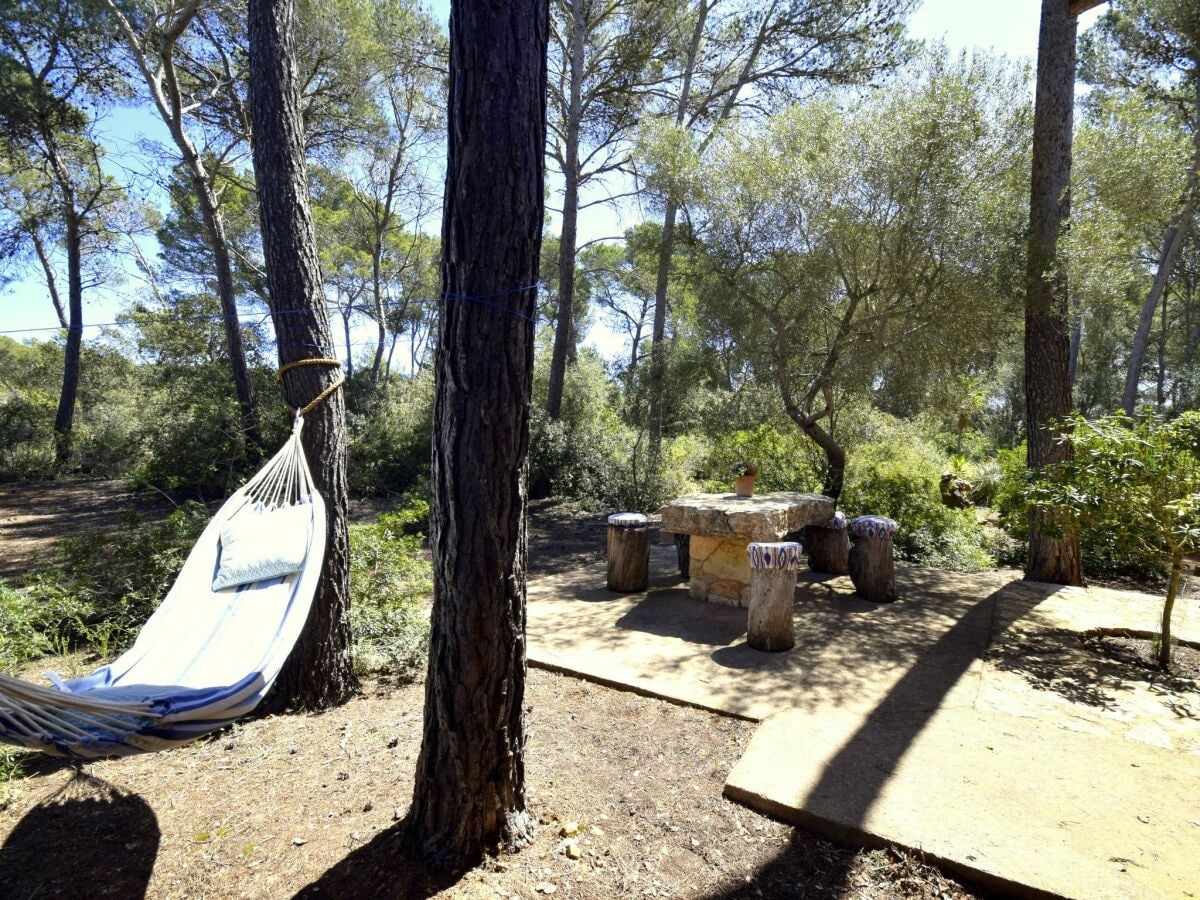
[(772, 594), (871, 567), (683, 552), (829, 547), (628, 552)]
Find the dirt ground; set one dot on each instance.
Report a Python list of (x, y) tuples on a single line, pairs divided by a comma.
[(311, 805)]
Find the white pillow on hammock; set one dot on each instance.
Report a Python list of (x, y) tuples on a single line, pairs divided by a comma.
[(258, 543)]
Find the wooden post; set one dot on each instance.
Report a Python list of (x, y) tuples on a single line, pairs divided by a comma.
[(829, 547), (871, 566), (628, 552), (772, 595)]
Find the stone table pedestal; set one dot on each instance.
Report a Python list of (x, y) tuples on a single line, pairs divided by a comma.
[(723, 525)]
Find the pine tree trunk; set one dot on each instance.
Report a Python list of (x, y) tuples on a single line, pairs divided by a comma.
[(658, 350), (219, 242), (1054, 559), (64, 419), (564, 332), (318, 673), (1173, 241), (470, 781)]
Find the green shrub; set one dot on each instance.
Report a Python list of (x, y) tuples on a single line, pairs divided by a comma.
[(787, 460), (389, 439), (390, 585), (102, 587), (21, 636), (10, 773), (901, 482)]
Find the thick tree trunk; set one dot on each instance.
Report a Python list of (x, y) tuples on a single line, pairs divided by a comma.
[(64, 419), (470, 781), (1055, 559), (564, 332), (318, 673), (217, 239)]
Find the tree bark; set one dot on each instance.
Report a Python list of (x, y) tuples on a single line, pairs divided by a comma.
[(1164, 637), (564, 332), (628, 558), (770, 625), (1052, 558), (214, 226), (318, 673), (872, 569), (48, 271), (64, 419), (470, 780), (1173, 241), (828, 550)]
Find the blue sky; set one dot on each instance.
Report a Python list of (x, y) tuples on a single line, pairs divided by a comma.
[(1008, 27)]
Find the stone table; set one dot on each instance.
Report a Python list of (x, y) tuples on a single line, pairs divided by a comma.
[(722, 526)]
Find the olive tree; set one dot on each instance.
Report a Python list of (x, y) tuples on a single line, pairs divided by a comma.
[(849, 248)]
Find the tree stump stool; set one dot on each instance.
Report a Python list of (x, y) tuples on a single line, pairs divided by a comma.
[(628, 552), (871, 567), (683, 552), (829, 547), (772, 595)]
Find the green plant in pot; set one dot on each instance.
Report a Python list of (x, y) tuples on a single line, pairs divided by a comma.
[(745, 474)]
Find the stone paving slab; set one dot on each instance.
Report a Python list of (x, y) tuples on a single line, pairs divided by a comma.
[(906, 691), (1016, 804)]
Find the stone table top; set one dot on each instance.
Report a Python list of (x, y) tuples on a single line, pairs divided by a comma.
[(763, 517)]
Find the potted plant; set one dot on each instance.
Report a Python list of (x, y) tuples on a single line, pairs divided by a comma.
[(745, 474)]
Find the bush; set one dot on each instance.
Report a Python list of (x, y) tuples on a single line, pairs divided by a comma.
[(390, 584), (787, 460), (901, 482), (102, 587), (389, 441), (21, 636)]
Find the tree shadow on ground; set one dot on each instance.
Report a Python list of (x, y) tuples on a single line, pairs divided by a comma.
[(854, 778), (672, 613), (384, 869), (89, 839)]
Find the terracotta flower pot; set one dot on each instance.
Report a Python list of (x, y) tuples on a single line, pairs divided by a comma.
[(744, 486)]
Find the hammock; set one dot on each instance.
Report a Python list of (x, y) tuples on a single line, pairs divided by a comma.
[(204, 659)]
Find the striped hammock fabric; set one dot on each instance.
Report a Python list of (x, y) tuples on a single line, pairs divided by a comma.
[(204, 659)]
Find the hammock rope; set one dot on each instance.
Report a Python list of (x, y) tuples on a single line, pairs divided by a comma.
[(315, 361)]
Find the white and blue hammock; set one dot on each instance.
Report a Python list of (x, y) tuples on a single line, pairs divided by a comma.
[(204, 659)]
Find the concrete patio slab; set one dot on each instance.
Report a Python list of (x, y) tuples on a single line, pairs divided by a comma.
[(966, 720), (1016, 804)]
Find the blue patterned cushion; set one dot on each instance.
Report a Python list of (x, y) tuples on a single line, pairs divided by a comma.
[(837, 523), (627, 520), (874, 526), (781, 555), (257, 544)]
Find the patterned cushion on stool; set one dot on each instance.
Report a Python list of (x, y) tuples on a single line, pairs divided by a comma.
[(627, 520), (781, 555), (837, 523), (874, 526)]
